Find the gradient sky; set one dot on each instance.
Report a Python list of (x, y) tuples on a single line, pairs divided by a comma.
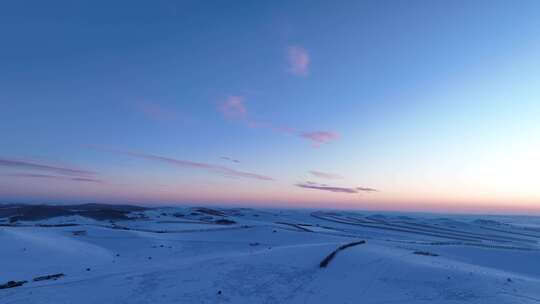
[(392, 105)]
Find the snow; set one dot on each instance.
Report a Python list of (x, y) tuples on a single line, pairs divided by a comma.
[(273, 256)]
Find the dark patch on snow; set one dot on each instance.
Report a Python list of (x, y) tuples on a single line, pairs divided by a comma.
[(332, 255), (12, 284), (426, 253), (225, 222), (49, 277), (209, 211), (57, 225), (486, 222)]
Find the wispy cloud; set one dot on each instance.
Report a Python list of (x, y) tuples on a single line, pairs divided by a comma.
[(157, 112), (19, 164), (324, 187), (33, 175), (230, 159), (325, 175), (320, 137), (234, 107), (327, 188), (366, 189), (298, 59), (57, 177), (191, 164)]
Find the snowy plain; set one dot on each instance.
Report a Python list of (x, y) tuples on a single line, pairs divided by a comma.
[(240, 255)]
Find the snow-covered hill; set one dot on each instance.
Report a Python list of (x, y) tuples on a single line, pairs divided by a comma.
[(202, 255)]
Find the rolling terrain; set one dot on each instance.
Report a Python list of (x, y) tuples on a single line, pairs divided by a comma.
[(128, 254)]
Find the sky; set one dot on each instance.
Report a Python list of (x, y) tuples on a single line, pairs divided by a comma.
[(375, 105)]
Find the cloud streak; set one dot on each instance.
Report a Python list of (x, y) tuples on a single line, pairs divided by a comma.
[(234, 107), (325, 175), (366, 189), (230, 159), (298, 59), (193, 165), (18, 164), (324, 187), (56, 177)]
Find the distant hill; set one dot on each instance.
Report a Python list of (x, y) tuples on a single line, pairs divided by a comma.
[(22, 212)]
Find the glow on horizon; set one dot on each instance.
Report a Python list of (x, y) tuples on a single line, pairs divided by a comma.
[(223, 194), (209, 106)]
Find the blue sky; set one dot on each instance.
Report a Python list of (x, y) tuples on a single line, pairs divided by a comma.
[(432, 103)]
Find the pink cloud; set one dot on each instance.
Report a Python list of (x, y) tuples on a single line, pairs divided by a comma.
[(234, 107), (299, 60), (320, 137)]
